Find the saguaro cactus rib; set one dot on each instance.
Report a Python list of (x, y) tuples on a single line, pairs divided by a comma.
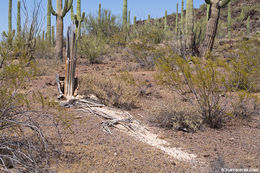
[(78, 18)]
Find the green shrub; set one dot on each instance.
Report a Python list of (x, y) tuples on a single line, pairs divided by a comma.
[(246, 66), (92, 48), (200, 83)]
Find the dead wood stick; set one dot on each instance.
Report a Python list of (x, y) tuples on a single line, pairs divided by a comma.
[(58, 85)]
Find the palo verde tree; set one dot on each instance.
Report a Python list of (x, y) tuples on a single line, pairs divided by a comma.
[(78, 18), (60, 13), (214, 13)]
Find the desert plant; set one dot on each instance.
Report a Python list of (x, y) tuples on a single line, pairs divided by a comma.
[(189, 35), (200, 84), (78, 18), (125, 15), (111, 91), (182, 17), (60, 14), (128, 20), (176, 23), (18, 26), (165, 21), (99, 13), (212, 25), (53, 36), (168, 116), (49, 23), (92, 48)]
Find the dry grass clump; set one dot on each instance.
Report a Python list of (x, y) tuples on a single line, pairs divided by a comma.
[(167, 116), (112, 91)]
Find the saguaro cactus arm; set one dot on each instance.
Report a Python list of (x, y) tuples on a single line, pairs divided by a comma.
[(67, 7), (53, 12)]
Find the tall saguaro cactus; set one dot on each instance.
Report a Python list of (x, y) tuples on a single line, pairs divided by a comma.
[(99, 13), (49, 22), (177, 15), (215, 6), (18, 27), (60, 13), (229, 20), (10, 16), (125, 14), (128, 20), (182, 17), (189, 28), (52, 36), (165, 21), (208, 8), (78, 19)]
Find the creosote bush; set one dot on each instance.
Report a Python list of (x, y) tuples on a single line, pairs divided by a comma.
[(113, 91)]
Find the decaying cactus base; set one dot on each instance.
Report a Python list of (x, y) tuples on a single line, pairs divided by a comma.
[(60, 83)]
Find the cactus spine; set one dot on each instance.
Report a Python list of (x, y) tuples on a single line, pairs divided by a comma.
[(18, 27), (248, 25), (229, 20), (125, 15), (49, 23), (189, 27), (182, 17), (60, 14), (177, 14), (77, 19), (165, 21)]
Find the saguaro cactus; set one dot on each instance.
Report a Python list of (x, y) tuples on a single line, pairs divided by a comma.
[(77, 19), (18, 27), (99, 13), (52, 36), (165, 21), (128, 20), (10, 16), (134, 22), (182, 17), (60, 14), (49, 22), (229, 20), (189, 28), (125, 14), (208, 8), (177, 14), (149, 19), (215, 6)]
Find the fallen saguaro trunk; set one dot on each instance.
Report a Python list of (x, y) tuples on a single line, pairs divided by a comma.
[(67, 86)]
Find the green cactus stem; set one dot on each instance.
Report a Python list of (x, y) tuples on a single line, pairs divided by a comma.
[(165, 21), (125, 15), (18, 27), (49, 23), (128, 20), (182, 17), (99, 13), (208, 8), (177, 15), (60, 14), (77, 19), (52, 36), (189, 28)]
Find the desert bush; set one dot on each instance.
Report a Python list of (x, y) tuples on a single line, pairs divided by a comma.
[(166, 116), (246, 66), (202, 84), (92, 47), (112, 91)]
